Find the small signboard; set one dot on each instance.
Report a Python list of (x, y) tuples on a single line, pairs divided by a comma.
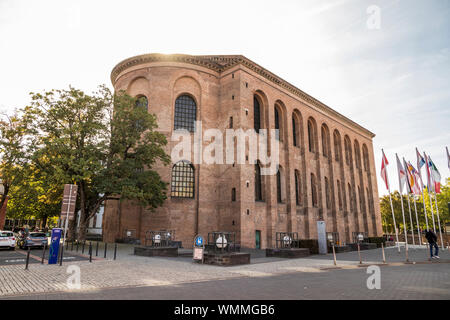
[(54, 246), (69, 201), (199, 248), (198, 253)]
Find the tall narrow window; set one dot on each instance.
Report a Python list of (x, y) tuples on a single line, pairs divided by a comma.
[(233, 194), (310, 137), (350, 197), (313, 190), (339, 194), (256, 114), (294, 131), (324, 141), (182, 180), (231, 122), (337, 146), (297, 187), (185, 113), (360, 198), (327, 193), (277, 124), (258, 187), (279, 186)]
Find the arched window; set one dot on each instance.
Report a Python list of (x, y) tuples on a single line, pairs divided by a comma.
[(256, 114), (294, 131), (365, 158), (337, 146), (339, 194), (348, 150), (258, 184), (325, 139), (185, 113), (357, 155), (183, 180), (350, 196), (360, 198), (279, 199), (327, 194), (277, 123), (142, 102), (233, 194), (297, 187), (313, 190), (311, 136)]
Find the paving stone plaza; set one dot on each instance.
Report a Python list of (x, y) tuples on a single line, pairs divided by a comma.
[(130, 271)]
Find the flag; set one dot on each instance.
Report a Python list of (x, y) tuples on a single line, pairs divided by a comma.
[(448, 158), (420, 160), (417, 177), (413, 179), (429, 177), (401, 174), (435, 175), (384, 163)]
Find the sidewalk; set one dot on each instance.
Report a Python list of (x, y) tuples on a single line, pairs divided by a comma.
[(130, 270)]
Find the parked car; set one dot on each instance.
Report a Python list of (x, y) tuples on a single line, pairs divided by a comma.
[(32, 240), (7, 240)]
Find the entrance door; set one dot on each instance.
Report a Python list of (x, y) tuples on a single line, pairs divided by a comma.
[(258, 239)]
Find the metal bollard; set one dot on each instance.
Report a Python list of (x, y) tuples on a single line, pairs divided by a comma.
[(90, 251), (359, 254), (71, 248), (106, 245), (62, 254), (382, 250), (67, 245), (43, 253), (77, 245), (334, 255), (96, 250), (28, 259), (82, 247), (115, 250)]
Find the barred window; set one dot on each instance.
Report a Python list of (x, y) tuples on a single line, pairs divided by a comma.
[(142, 102), (183, 180), (185, 113)]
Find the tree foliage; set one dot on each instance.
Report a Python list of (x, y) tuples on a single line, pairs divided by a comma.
[(442, 199), (103, 142)]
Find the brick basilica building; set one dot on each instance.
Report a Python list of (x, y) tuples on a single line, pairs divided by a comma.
[(326, 161)]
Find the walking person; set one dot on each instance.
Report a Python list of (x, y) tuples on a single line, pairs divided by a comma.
[(432, 240)]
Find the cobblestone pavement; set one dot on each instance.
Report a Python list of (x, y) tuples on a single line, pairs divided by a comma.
[(129, 270)]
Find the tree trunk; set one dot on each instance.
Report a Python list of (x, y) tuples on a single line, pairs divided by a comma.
[(83, 213), (44, 222)]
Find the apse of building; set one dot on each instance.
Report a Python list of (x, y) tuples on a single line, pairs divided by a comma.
[(326, 161)]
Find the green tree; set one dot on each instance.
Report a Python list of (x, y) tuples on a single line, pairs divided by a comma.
[(105, 143), (442, 198), (13, 141)]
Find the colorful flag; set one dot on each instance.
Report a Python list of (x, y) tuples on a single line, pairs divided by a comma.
[(413, 179), (384, 163), (401, 174), (420, 160), (435, 175), (429, 177), (417, 177)]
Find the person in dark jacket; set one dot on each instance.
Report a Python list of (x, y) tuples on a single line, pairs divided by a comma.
[(432, 240)]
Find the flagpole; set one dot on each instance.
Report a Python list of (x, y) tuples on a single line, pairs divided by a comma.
[(403, 210), (390, 200), (393, 218), (417, 222), (421, 184), (439, 222), (408, 190), (429, 190)]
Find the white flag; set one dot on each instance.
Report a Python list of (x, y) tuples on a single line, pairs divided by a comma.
[(401, 174)]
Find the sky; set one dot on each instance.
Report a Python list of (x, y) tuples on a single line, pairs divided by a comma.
[(383, 64)]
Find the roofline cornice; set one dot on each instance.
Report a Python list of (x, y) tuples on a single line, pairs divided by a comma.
[(221, 63)]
